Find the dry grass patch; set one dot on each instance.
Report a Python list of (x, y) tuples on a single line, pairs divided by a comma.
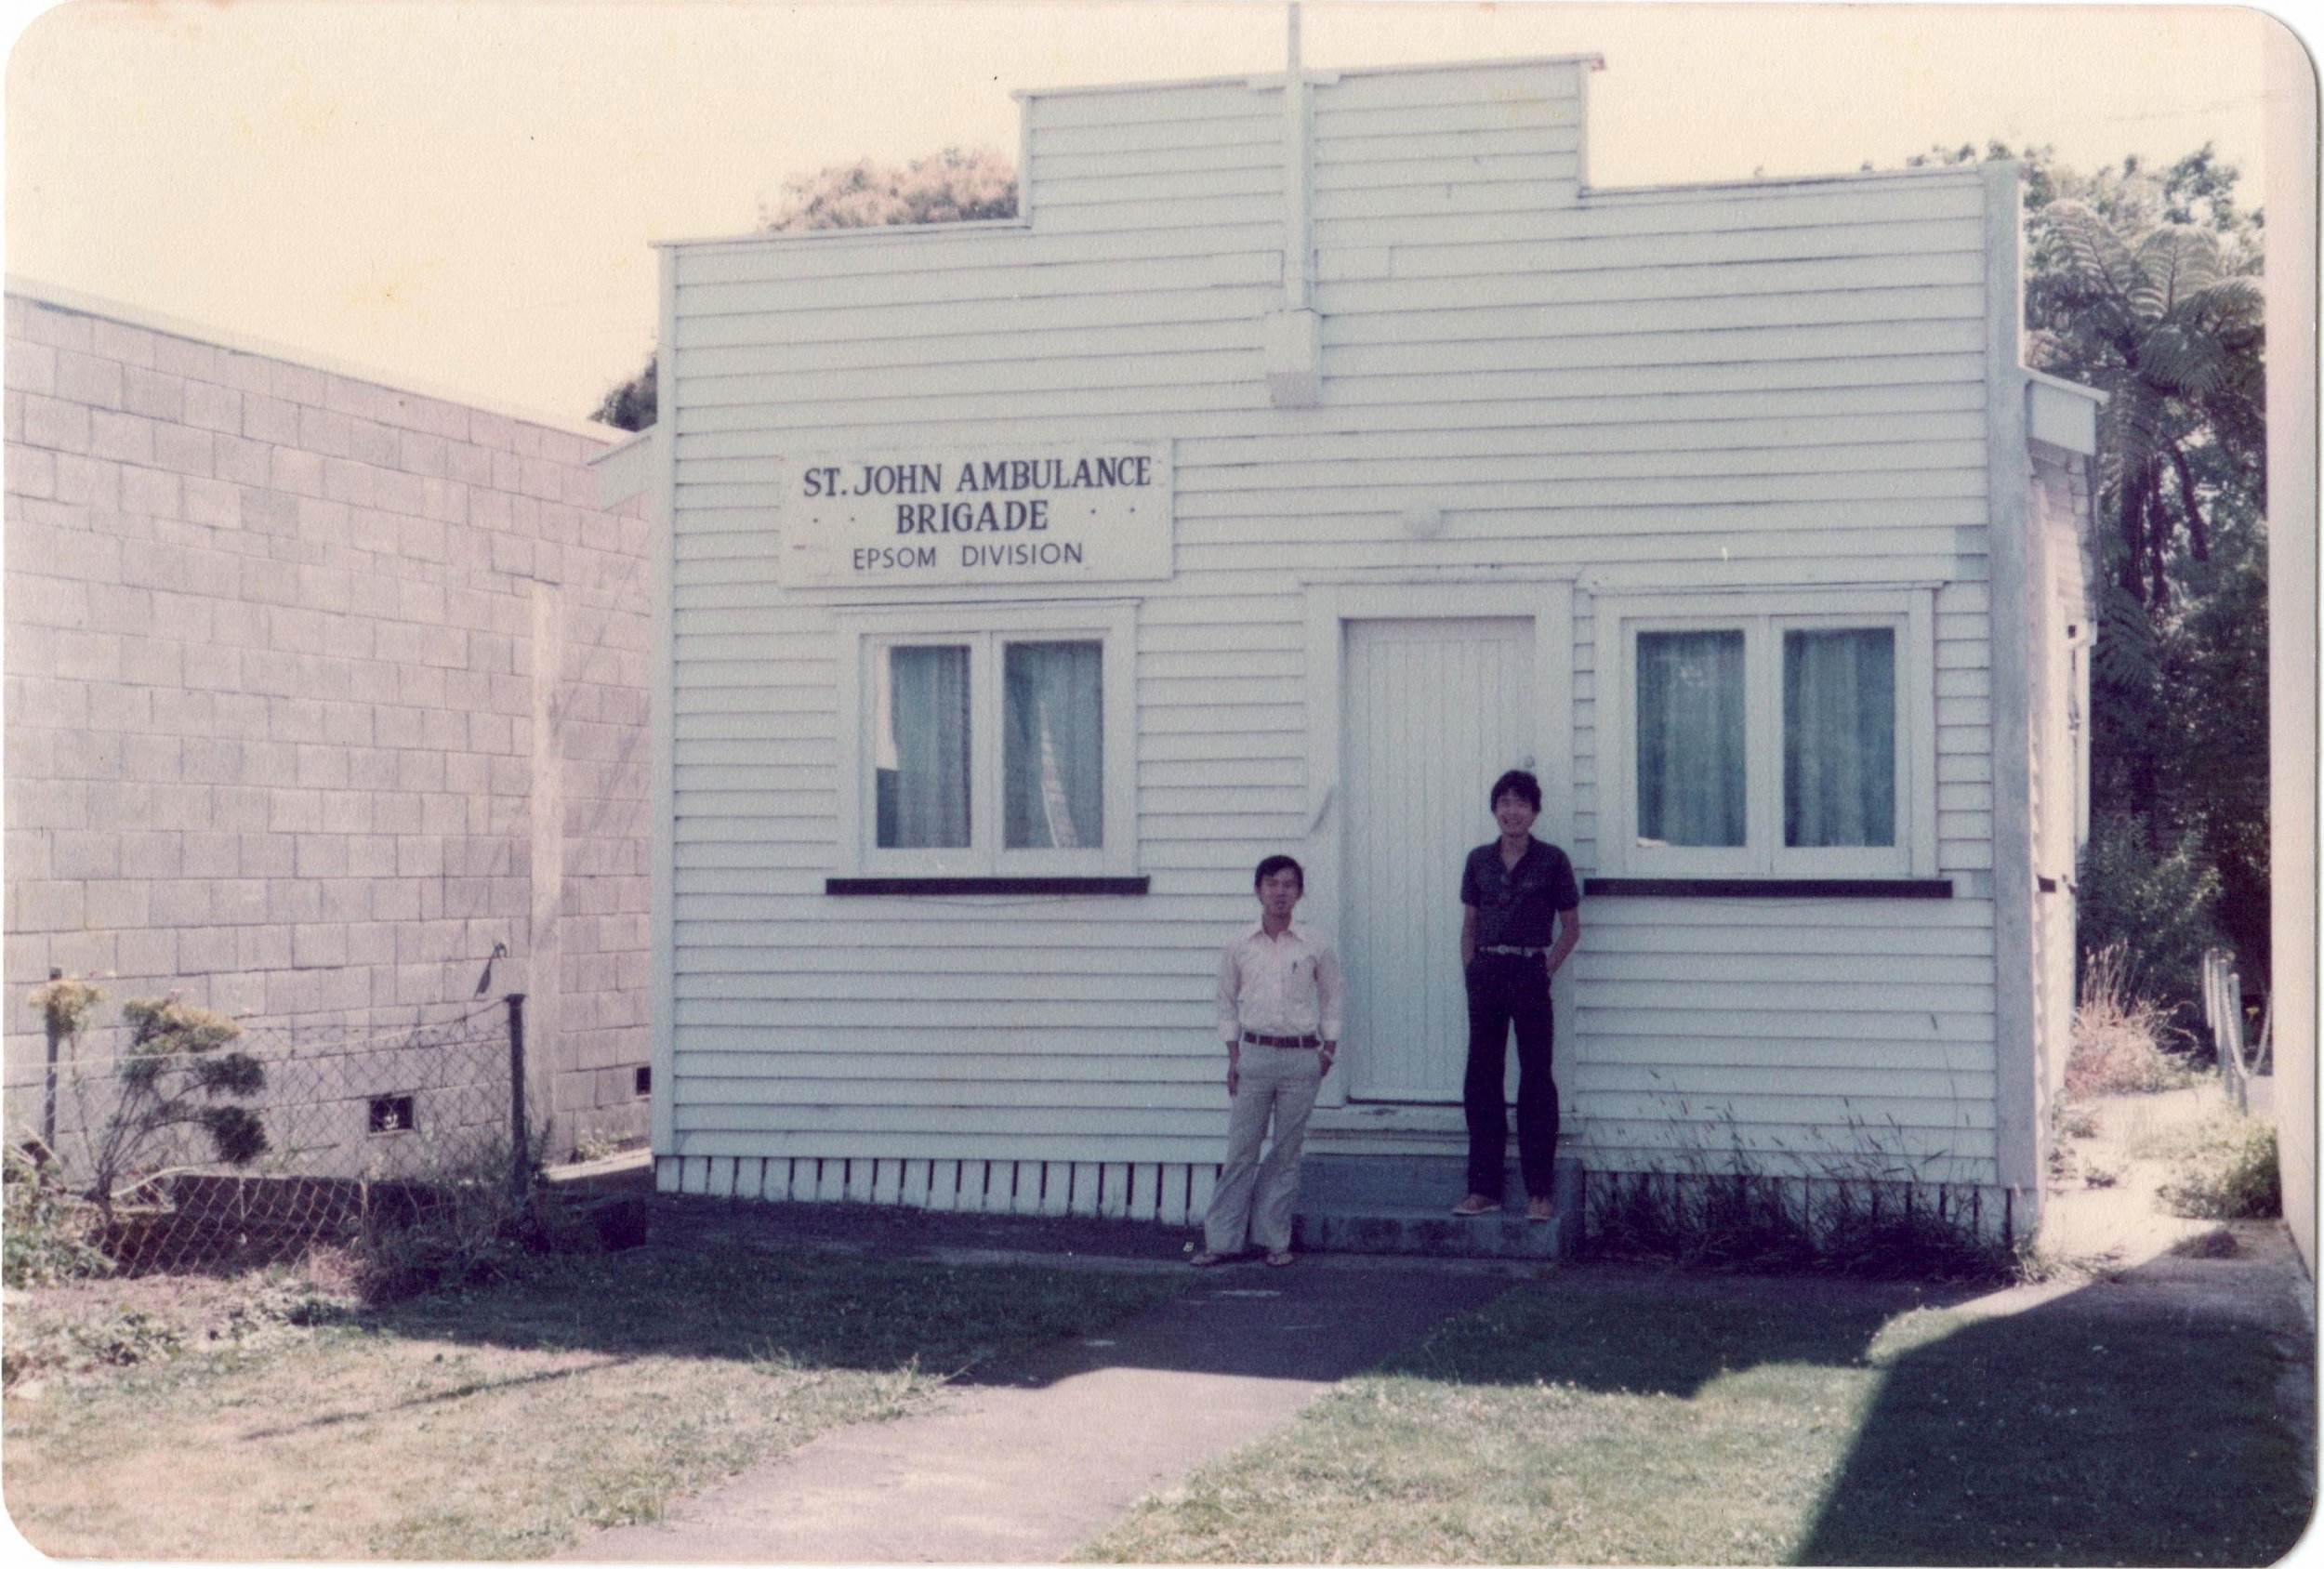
[(504, 1423), (2121, 1040)]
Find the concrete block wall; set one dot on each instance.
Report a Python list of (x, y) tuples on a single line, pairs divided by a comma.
[(317, 689)]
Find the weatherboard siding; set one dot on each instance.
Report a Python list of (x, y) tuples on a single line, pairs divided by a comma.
[(1763, 385)]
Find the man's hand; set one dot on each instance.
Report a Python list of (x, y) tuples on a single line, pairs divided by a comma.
[(1232, 1076), (1324, 1057)]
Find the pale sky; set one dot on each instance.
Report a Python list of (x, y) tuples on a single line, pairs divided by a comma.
[(462, 195)]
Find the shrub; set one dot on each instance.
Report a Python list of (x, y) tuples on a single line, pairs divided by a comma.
[(2118, 1037), (2154, 910), (46, 1236), (2227, 1171), (472, 1231)]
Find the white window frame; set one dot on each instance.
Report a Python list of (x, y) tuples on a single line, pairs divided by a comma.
[(866, 634), (1762, 618)]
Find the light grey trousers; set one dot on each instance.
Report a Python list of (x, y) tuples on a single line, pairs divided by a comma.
[(1255, 1197)]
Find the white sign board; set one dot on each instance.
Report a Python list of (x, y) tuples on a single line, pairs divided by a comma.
[(1077, 514)]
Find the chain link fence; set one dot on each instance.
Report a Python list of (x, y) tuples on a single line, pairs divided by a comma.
[(255, 1146)]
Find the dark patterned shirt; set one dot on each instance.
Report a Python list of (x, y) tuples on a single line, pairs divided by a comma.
[(1516, 905)]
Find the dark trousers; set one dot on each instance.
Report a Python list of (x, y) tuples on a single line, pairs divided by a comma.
[(1505, 990)]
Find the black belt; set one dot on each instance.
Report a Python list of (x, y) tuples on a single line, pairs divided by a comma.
[(1527, 953), (1310, 1042)]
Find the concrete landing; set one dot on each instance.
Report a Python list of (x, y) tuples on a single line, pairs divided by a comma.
[(1403, 1205), (1021, 1463)]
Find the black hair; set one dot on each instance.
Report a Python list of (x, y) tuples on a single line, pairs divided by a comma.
[(1274, 864), (1516, 782)]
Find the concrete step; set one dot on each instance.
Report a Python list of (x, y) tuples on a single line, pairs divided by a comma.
[(1403, 1205), (1431, 1233)]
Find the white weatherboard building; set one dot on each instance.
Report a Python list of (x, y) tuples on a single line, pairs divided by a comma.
[(1293, 464)]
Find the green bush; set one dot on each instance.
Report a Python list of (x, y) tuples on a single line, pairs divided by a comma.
[(2156, 910), (46, 1236), (2227, 1171)]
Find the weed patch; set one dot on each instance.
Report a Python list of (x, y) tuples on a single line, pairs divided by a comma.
[(2224, 1168), (2121, 1040)]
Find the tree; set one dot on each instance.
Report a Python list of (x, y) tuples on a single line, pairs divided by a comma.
[(952, 186), (2144, 283)]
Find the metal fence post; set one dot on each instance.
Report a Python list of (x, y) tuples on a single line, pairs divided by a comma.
[(520, 1138), (48, 1085)]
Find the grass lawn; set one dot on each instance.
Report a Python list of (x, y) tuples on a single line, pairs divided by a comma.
[(1616, 1427), (502, 1423)]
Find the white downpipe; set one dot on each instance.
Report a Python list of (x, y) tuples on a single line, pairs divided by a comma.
[(1299, 237)]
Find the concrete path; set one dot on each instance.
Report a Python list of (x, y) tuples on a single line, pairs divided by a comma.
[(1023, 1463)]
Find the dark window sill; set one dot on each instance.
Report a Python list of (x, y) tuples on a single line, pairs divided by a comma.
[(1768, 888), (1062, 886)]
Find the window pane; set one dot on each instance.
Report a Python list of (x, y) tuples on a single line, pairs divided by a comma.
[(921, 773), (1840, 737), (1690, 738), (1052, 746)]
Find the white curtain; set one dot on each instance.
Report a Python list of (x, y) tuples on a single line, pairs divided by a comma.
[(1052, 753), (1690, 738), (924, 798), (1840, 737)]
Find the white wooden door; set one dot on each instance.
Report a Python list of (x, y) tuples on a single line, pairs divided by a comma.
[(1434, 711)]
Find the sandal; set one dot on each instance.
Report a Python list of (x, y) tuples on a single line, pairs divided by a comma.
[(1206, 1260), (1477, 1204), (1277, 1260)]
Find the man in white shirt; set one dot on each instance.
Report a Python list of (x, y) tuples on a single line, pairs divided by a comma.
[(1279, 1012)]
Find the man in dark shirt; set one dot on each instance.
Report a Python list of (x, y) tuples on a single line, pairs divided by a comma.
[(1515, 893)]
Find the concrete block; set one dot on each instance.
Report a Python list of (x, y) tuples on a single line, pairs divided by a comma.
[(246, 373), (183, 449), (156, 394), (354, 483), (242, 901), (121, 341), (55, 424), (423, 539), (263, 947), (32, 367), (395, 901), (30, 471), (159, 759), (80, 480), (125, 437), (369, 442), (206, 759), (321, 855), (370, 856), (142, 951), (213, 408), (211, 854), (181, 901), (418, 855), (445, 813), (86, 377), (87, 953), (346, 812), (293, 901), (294, 811), (207, 950), (79, 854), (122, 608), (60, 329), (318, 946), (300, 473), (394, 491), (215, 503)]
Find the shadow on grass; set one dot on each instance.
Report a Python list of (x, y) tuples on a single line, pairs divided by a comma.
[(1646, 1338), (2056, 1436), (862, 1314)]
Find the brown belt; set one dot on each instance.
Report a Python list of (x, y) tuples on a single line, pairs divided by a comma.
[(1310, 1042)]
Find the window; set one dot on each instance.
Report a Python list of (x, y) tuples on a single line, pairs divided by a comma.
[(992, 749), (1778, 736)]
